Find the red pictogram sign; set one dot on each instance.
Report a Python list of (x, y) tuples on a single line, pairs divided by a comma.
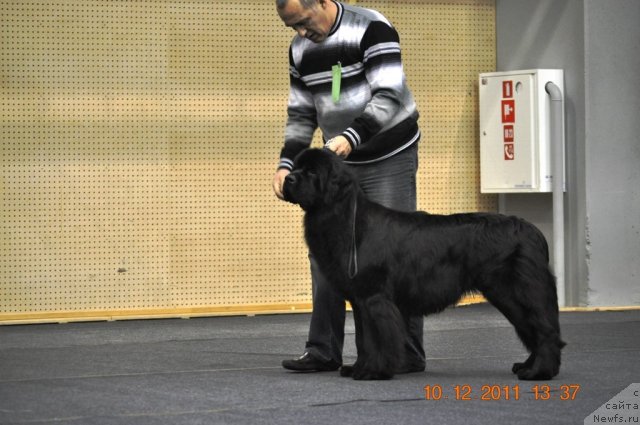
[(509, 154), (508, 111), (508, 133), (507, 89)]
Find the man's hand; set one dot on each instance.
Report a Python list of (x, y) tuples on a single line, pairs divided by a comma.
[(278, 181), (339, 145)]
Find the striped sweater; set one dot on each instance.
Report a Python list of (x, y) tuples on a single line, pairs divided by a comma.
[(375, 110)]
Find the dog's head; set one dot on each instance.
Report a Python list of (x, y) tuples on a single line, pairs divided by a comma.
[(318, 178)]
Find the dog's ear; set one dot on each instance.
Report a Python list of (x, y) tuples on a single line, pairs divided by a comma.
[(338, 182)]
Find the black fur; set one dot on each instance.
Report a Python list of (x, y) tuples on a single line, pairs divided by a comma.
[(418, 263)]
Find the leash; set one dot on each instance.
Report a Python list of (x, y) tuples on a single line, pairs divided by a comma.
[(353, 252)]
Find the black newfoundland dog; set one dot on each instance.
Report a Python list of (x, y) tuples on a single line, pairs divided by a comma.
[(388, 264)]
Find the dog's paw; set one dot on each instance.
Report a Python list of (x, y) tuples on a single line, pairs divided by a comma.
[(539, 371), (517, 367), (534, 375), (372, 376), (536, 368), (527, 364), (364, 374), (346, 371)]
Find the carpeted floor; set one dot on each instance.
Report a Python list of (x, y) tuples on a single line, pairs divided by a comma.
[(226, 370)]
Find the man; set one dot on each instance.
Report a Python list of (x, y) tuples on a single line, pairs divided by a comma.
[(346, 78)]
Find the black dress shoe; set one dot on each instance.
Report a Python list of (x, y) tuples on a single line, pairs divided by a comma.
[(308, 363)]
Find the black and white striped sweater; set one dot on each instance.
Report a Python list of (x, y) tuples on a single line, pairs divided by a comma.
[(375, 111)]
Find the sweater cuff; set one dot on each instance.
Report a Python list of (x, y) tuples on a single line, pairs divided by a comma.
[(285, 163), (353, 137)]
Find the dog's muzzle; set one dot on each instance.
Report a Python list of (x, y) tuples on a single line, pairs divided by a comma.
[(290, 179)]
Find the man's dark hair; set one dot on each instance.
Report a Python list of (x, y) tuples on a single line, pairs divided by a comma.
[(280, 4)]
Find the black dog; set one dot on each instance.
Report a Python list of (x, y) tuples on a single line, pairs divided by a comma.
[(391, 264)]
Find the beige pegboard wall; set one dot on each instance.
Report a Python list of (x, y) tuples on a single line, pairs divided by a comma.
[(139, 140)]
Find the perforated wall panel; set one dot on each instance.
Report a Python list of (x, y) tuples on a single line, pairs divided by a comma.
[(139, 140)]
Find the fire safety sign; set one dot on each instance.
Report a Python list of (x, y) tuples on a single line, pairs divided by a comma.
[(507, 89), (514, 130), (508, 134), (509, 110)]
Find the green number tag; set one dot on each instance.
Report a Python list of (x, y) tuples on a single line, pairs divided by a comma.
[(336, 73)]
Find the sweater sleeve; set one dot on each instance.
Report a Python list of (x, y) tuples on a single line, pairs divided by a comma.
[(301, 118), (383, 69)]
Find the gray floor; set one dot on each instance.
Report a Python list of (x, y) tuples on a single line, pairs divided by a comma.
[(227, 370)]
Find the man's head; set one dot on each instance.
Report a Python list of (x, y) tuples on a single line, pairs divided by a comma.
[(311, 19)]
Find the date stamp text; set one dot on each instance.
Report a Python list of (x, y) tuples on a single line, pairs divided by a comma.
[(465, 392)]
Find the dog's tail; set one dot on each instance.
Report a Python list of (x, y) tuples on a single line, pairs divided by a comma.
[(534, 238)]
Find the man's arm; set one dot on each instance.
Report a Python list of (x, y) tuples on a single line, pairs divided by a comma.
[(301, 118), (383, 69), (301, 123)]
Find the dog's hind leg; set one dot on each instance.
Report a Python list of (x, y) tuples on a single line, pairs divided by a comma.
[(533, 311), (538, 295), (381, 343), (517, 317), (544, 319)]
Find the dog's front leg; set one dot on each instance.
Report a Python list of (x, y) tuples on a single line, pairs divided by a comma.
[(379, 338), (347, 370)]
